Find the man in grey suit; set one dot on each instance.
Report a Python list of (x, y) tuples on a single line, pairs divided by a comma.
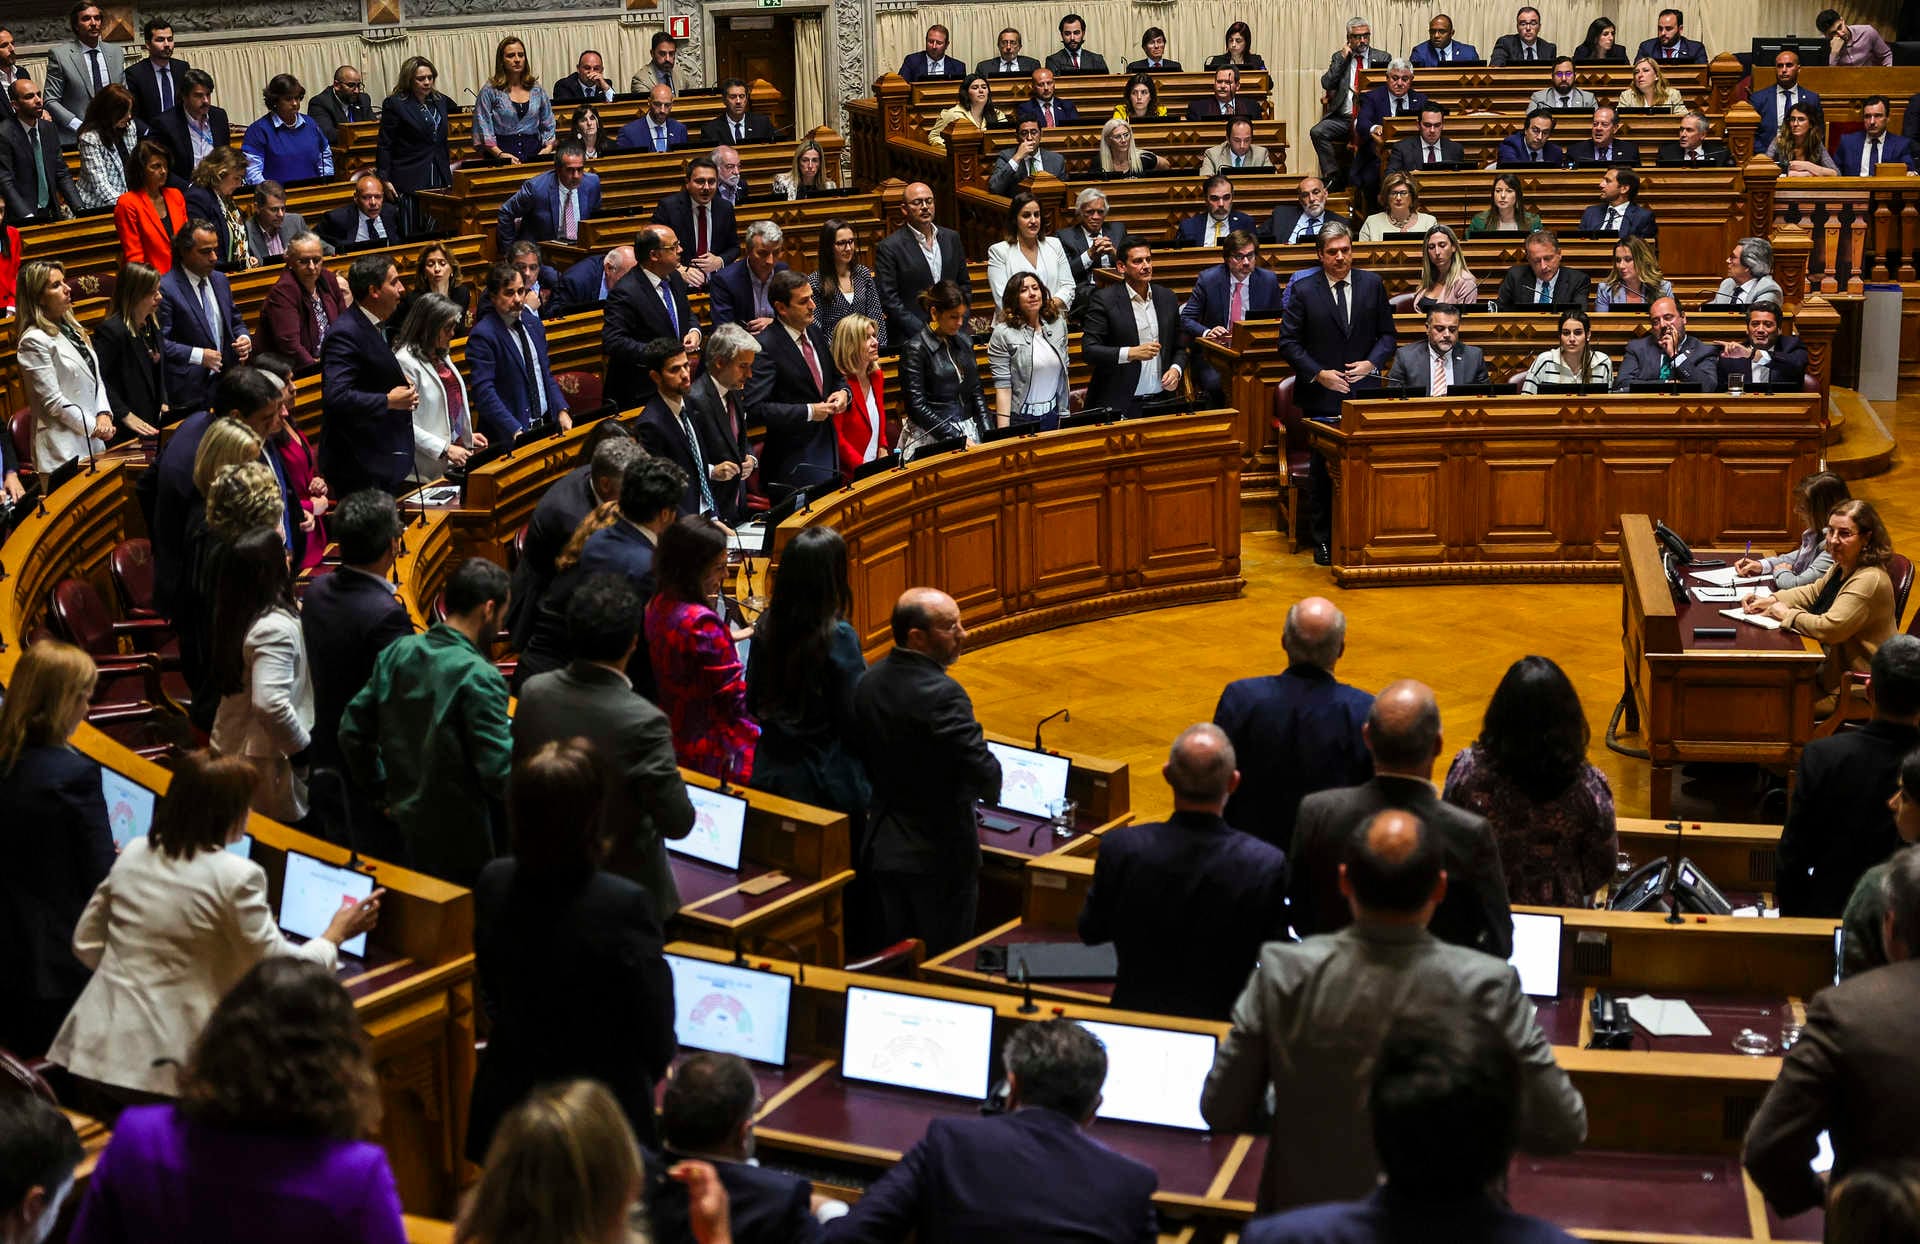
[(272, 226), (1339, 86), (591, 698), (1403, 733), (1314, 1013), (1017, 163), (1440, 358), (79, 70)]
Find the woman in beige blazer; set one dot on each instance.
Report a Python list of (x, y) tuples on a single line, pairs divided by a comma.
[(177, 922), (1849, 609)]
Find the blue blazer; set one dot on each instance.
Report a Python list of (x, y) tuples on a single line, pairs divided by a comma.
[(533, 211), (579, 285), (1423, 57), (1893, 150), (1194, 227), (1064, 113), (1298, 732), (58, 848), (505, 401), (637, 135), (1032, 1175), (1513, 150), (1766, 102), (1690, 51), (676, 213), (1636, 221), (1311, 340), (622, 550), (914, 67), (363, 444), (185, 332), (1207, 306), (1373, 109), (730, 293)]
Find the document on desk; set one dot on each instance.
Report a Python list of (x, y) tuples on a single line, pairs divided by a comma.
[(1757, 619), (1726, 595), (1724, 576), (1666, 1017)]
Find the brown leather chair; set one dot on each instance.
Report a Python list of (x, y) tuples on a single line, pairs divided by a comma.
[(1296, 459), (131, 564), (902, 959)]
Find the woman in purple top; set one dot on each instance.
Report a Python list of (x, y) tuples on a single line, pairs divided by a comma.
[(267, 1140), (1527, 773)]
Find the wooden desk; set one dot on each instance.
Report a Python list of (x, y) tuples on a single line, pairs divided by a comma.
[(1732, 856), (1484, 88), (1749, 699), (1482, 133)]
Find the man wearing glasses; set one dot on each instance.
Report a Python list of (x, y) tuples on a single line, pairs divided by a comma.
[(346, 100)]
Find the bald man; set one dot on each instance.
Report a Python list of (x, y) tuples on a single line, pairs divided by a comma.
[(1295, 732), (1313, 1014), (1402, 732), (913, 727), (1187, 902), (912, 258)]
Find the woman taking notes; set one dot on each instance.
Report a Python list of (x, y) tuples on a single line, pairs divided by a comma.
[(1819, 493), (1849, 610)]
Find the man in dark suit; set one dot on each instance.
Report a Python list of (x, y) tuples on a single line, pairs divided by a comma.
[(736, 126), (1669, 352), (1045, 104), (1337, 331), (1211, 227), (737, 293), (1429, 147), (193, 127), (367, 221), (1223, 296), (655, 130), (1415, 366), (512, 387), (706, 1115), (1694, 149), (1295, 732), (1524, 46), (1851, 1074), (1028, 1174), (649, 502), (649, 302), (900, 264), (1403, 733), (795, 390), (1153, 41), (587, 84), (345, 100), (1838, 824), (158, 82), (913, 727), (351, 615), (666, 427), (366, 438), (1132, 337), (1017, 163), (1618, 213), (1302, 221), (1340, 87), (551, 207), (1601, 146), (719, 416), (1187, 902), (1861, 153), (702, 221), (1091, 242), (1533, 144), (1396, 98), (1009, 63), (1670, 45), (10, 66), (1772, 102), (1073, 56), (1541, 281), (1766, 356), (201, 330), (1441, 48), (591, 281), (561, 509), (1226, 100), (34, 180), (934, 62)]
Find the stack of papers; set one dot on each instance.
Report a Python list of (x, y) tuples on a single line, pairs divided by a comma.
[(1666, 1017), (1725, 577), (1730, 595), (1755, 619)]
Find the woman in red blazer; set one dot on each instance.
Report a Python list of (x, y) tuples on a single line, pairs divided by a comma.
[(148, 218), (863, 430)]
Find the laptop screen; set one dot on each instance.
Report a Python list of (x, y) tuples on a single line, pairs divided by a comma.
[(1030, 782), (1153, 1075), (719, 827), (1536, 954), (313, 891), (731, 1010), (129, 807), (911, 1042)]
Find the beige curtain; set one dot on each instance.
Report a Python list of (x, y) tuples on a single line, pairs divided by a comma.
[(810, 75)]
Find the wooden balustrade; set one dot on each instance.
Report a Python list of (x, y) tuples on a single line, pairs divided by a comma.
[(1862, 228)]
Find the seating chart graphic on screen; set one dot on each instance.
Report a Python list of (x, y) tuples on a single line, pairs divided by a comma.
[(918, 1043), (1030, 782), (313, 891), (1536, 954), (719, 827), (1153, 1075), (730, 1010), (129, 806)]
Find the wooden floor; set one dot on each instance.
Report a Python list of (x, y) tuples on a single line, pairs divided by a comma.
[(1135, 682)]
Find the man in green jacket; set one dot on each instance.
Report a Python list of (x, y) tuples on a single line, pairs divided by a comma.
[(428, 738)]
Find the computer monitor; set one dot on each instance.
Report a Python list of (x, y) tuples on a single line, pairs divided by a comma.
[(719, 827), (928, 1044), (1030, 782), (312, 891), (1154, 1075), (731, 1010), (129, 807), (1536, 954)]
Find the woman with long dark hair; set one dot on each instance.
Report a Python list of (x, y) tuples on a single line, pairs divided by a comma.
[(938, 374), (841, 284), (702, 686), (107, 139), (129, 345), (1239, 38), (1528, 774), (1602, 44), (261, 674)]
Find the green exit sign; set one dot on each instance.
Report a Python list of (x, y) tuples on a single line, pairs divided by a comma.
[(769, 4)]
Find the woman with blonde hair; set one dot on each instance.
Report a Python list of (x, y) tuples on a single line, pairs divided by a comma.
[(216, 179), (1119, 157), (861, 431), (229, 499), (1444, 275), (1651, 89), (56, 837), (1636, 280), (1028, 355), (72, 413), (512, 116), (808, 176)]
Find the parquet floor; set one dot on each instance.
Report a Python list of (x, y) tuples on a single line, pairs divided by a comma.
[(1135, 682)]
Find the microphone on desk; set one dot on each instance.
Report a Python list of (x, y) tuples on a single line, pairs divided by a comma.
[(1064, 714), (1027, 1005), (1672, 897), (726, 771)]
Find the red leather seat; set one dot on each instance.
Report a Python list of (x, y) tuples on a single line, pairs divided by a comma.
[(1900, 570), (20, 427), (1296, 459), (901, 959), (584, 391), (131, 564)]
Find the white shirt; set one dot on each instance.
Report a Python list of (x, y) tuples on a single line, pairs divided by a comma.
[(200, 134), (937, 68), (1147, 325), (874, 417), (930, 250), (1866, 151), (1047, 365)]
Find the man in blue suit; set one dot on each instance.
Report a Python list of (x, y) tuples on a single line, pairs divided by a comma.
[(1044, 105), (1441, 48), (650, 493), (550, 207), (1861, 153), (1028, 1174), (657, 130), (1772, 102), (1534, 144), (934, 62), (587, 283), (512, 383), (366, 419), (1617, 212), (1211, 227), (1396, 98), (1336, 333), (350, 616), (1222, 297), (201, 330), (1189, 901), (795, 391), (706, 1115), (1670, 45), (648, 303), (739, 291)]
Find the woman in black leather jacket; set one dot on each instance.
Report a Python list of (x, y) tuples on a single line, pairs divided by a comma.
[(944, 396)]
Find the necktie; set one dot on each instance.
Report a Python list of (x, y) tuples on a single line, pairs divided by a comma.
[(1036, 164), (42, 191), (737, 135), (1236, 161), (1340, 306), (673, 314), (1613, 219), (569, 222), (99, 73), (813, 361), (1432, 155), (1694, 155), (1666, 368), (1238, 306), (699, 231), (1438, 387), (1529, 53), (659, 138), (1873, 159), (1545, 295), (699, 462), (1046, 110), (164, 75), (1076, 60), (536, 399), (1537, 156), (1604, 155), (211, 312), (733, 417)]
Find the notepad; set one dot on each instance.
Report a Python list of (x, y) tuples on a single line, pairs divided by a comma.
[(1725, 576), (1729, 595), (1756, 619), (1666, 1017)]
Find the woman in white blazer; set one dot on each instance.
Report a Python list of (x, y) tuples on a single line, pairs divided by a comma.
[(260, 670), (72, 414), (423, 347), (176, 923), (1029, 249), (1028, 355)]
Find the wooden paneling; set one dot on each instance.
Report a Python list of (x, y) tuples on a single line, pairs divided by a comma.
[(1483, 88)]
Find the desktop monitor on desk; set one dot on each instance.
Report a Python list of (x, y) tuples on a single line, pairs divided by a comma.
[(1154, 1075), (312, 891), (719, 828), (1536, 953), (729, 1009), (1030, 782), (927, 1044)]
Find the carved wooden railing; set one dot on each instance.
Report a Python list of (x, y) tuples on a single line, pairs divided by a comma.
[(1862, 228)]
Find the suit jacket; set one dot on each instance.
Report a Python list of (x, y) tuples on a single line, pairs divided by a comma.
[(1338, 78), (292, 225), (329, 111), (1193, 230), (1219, 159), (1308, 1024), (1635, 221), (1786, 364), (1712, 155), (59, 847), (1474, 913), (1059, 61), (1508, 50), (573, 90), (625, 550), (1311, 340), (19, 186), (730, 293), (342, 225), (534, 210), (900, 270), (1766, 102), (914, 67), (287, 324), (1408, 154), (1187, 904), (1110, 327), (579, 286), (413, 153), (136, 381), (799, 452), (759, 129), (634, 316), (763, 1206), (1513, 150), (1207, 108), (1641, 362), (1375, 107), (1619, 151), (1548, 97), (1064, 113), (66, 393), (637, 135), (659, 430), (722, 439), (1212, 298), (363, 444), (1032, 1176), (1281, 224), (573, 978), (1893, 150), (1838, 825), (348, 618), (143, 79), (560, 510), (1686, 51), (1294, 733), (506, 399), (992, 68), (183, 325), (1518, 287), (676, 212), (1850, 1075), (1006, 179), (1423, 55), (170, 128), (1413, 367), (1382, 1216), (69, 82)]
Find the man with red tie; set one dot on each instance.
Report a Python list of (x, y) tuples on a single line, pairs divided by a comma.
[(702, 221), (1045, 105), (1670, 44), (1223, 296)]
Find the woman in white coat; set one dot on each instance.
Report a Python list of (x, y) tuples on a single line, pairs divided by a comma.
[(443, 433), (1029, 248), (72, 414), (1028, 355), (260, 670), (176, 923)]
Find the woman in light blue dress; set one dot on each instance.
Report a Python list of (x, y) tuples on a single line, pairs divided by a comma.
[(512, 117)]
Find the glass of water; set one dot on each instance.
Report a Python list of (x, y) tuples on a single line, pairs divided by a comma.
[(1064, 813), (1736, 384)]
